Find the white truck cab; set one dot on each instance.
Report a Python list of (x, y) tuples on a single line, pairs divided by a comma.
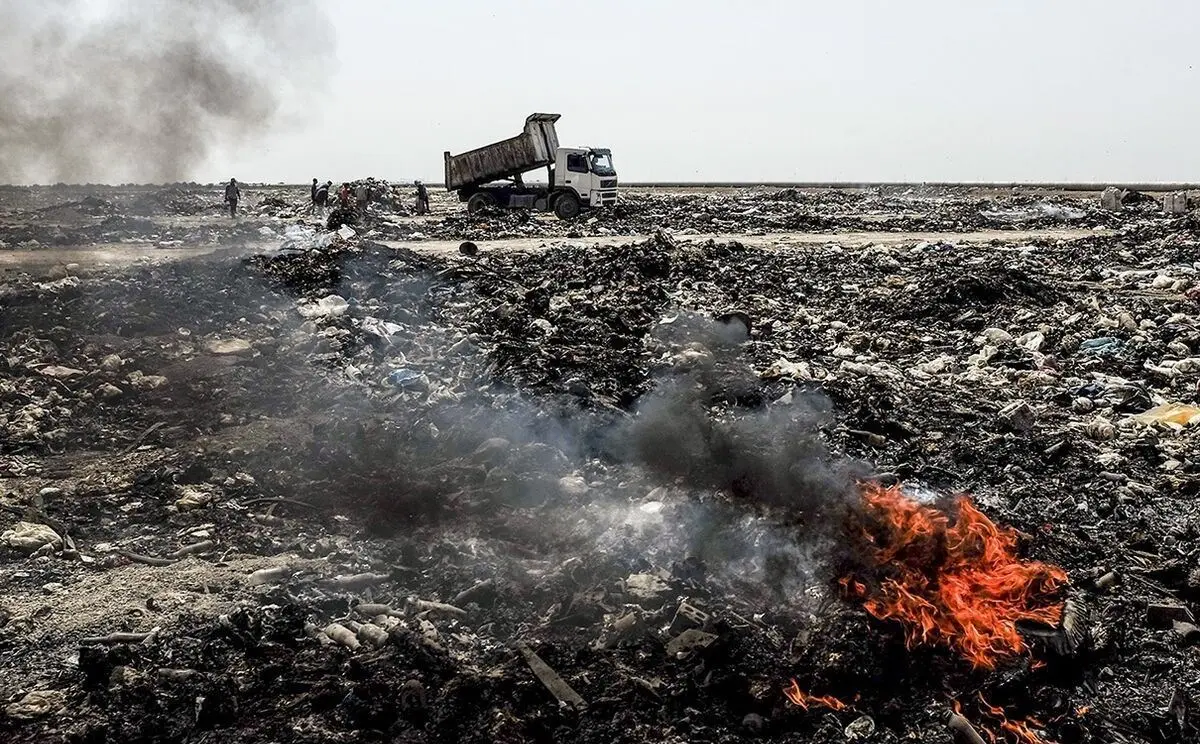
[(589, 172)]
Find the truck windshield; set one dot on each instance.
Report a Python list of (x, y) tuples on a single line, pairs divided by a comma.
[(602, 164)]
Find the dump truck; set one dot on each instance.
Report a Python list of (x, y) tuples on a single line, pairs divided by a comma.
[(579, 178)]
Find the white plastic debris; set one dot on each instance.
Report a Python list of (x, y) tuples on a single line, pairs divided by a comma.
[(30, 537), (799, 371), (192, 498), (331, 306), (993, 337), (228, 346), (302, 238), (572, 485), (58, 372), (381, 328), (345, 232), (142, 381), (1032, 341)]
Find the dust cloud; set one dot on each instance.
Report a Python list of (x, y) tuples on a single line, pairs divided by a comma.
[(146, 90)]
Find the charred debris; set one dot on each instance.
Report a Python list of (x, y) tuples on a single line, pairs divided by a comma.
[(348, 486)]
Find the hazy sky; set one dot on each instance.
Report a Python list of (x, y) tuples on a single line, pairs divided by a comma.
[(757, 90)]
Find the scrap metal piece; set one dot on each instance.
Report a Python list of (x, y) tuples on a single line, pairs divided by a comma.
[(1075, 625), (688, 641), (1163, 614), (116, 638), (557, 686), (963, 731), (689, 615)]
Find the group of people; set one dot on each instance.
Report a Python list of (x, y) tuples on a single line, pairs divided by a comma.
[(359, 197), (348, 198)]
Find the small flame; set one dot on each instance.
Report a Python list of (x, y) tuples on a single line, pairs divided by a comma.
[(957, 583), (1020, 731), (804, 700)]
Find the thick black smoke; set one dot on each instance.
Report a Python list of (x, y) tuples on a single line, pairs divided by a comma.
[(773, 456), (144, 90)]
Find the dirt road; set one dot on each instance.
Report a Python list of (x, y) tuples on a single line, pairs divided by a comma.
[(126, 254), (848, 239)]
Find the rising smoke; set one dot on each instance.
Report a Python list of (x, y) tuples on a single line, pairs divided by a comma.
[(774, 456), (146, 90), (788, 497)]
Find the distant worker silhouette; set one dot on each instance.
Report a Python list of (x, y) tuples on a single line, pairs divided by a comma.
[(321, 198), (232, 194), (422, 198)]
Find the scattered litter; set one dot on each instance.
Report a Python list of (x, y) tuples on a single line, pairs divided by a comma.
[(29, 537), (36, 704), (331, 306)]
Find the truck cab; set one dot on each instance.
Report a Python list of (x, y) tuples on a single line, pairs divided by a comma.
[(589, 173)]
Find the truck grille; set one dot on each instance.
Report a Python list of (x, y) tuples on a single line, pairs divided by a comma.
[(608, 183)]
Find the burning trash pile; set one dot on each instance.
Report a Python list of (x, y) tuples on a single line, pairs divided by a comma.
[(959, 584), (337, 490)]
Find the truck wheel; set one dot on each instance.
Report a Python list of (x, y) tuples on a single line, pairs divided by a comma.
[(566, 206), (479, 202)]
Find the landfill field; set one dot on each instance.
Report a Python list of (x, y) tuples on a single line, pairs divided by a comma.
[(781, 465)]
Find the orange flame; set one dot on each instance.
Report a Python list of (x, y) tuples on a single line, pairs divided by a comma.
[(804, 700), (1021, 731), (957, 583)]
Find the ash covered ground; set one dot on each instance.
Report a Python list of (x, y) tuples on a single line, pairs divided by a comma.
[(267, 482)]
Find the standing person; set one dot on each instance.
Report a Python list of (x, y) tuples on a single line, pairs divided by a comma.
[(362, 197), (232, 194), (321, 198), (313, 206), (422, 199), (344, 196)]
